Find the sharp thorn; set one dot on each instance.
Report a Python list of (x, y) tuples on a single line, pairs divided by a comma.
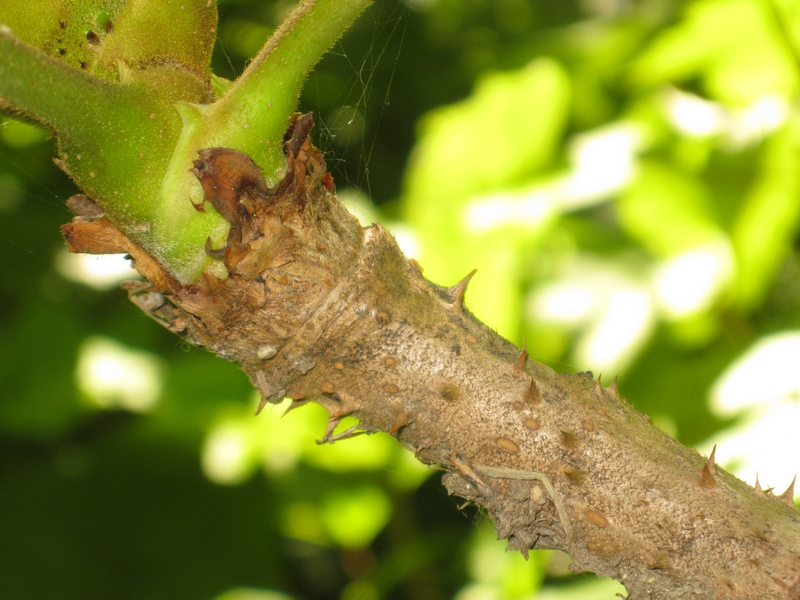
[(261, 404), (613, 388), (598, 385), (348, 433), (333, 422), (293, 405), (708, 478), (757, 486), (788, 495), (423, 445), (712, 467), (457, 293), (532, 396), (519, 367), (400, 421)]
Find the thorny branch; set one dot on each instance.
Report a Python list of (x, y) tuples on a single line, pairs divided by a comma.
[(316, 307)]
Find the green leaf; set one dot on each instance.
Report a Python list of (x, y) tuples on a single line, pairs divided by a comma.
[(353, 517), (666, 211), (768, 221), (497, 140), (734, 46)]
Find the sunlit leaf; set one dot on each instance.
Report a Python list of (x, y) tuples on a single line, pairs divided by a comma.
[(354, 517), (767, 224), (504, 133), (666, 211), (734, 46)]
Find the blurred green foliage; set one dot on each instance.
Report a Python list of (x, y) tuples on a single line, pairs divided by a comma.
[(624, 174)]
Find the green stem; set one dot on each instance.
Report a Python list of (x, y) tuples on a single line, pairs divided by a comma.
[(252, 118), (129, 148), (109, 143), (256, 110), (51, 92)]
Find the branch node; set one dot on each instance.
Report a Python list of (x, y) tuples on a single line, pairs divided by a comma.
[(505, 473)]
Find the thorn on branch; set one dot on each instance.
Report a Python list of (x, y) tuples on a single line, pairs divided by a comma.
[(532, 395), (598, 386), (614, 389), (757, 486), (707, 478), (295, 404), (788, 496), (218, 253), (400, 421), (269, 392), (457, 293), (711, 464), (467, 472), (423, 445), (261, 404), (519, 367)]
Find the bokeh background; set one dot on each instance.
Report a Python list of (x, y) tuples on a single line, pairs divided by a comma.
[(625, 175)]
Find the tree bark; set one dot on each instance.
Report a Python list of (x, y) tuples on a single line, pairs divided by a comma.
[(316, 307)]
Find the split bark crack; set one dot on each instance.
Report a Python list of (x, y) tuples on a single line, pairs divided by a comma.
[(315, 307), (504, 473)]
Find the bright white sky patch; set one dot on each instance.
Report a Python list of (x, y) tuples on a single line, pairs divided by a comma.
[(689, 282), (764, 384), (100, 271), (613, 311), (603, 163), (693, 116), (612, 342), (406, 239), (758, 120), (359, 205), (226, 457), (566, 303), (766, 445), (767, 374), (111, 375), (696, 117), (526, 208)]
